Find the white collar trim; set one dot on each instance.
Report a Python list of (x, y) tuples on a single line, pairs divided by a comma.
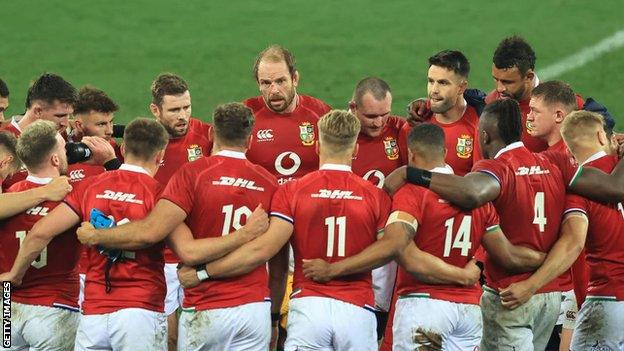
[(232, 154), (335, 167), (133, 168), (37, 180), (594, 157), (444, 170), (509, 147)]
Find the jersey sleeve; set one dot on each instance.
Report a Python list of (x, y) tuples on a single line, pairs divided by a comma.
[(408, 201), (492, 168), (404, 131), (180, 189), (491, 219), (74, 198), (280, 204), (576, 203)]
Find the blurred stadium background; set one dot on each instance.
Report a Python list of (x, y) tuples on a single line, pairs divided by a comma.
[(120, 46)]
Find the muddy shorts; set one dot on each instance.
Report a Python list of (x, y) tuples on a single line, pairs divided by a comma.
[(42, 328), (599, 325)]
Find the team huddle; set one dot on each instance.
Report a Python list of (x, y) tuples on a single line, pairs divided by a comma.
[(479, 222)]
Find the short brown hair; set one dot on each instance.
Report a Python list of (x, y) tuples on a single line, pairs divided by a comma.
[(233, 123), (338, 131), (427, 141), (376, 86), (144, 138), (580, 126), (556, 92), (50, 87), (167, 84), (275, 53), (36, 143), (93, 99), (8, 143)]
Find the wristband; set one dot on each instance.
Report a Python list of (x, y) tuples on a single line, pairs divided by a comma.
[(275, 317), (113, 164), (202, 273), (418, 176)]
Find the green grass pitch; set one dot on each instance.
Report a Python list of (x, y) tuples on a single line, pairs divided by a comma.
[(120, 46)]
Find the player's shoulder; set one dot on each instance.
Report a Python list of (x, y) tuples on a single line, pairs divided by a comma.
[(261, 172), (410, 192), (314, 104), (606, 163), (22, 185), (471, 116), (255, 103)]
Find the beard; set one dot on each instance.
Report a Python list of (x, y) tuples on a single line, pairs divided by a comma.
[(285, 101)]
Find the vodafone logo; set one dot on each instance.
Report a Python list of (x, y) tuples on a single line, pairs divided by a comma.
[(374, 173), (77, 174), (287, 167), (264, 135)]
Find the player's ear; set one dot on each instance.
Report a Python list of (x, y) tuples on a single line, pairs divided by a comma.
[(602, 138), (356, 149), (530, 74), (295, 78), (122, 148), (463, 85), (159, 157), (154, 109), (55, 160), (317, 146), (249, 139), (352, 106)]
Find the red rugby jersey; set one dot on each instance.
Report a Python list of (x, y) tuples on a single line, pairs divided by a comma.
[(377, 157), (283, 143), (605, 237), (461, 139), (335, 214), (195, 144), (52, 279), (446, 232), (530, 205), (138, 280), (218, 193)]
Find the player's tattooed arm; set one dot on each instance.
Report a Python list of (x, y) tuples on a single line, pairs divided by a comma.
[(433, 270), (399, 230), (561, 256), (54, 223), (513, 258), (193, 251), (14, 203), (597, 185)]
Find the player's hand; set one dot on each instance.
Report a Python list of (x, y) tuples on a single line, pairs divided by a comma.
[(318, 270), (86, 234), (516, 294), (188, 277), (256, 224), (101, 150), (395, 180), (56, 189), (618, 144), (418, 111), (8, 277), (472, 273)]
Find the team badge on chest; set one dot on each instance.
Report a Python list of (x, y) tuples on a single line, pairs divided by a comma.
[(465, 145), (306, 133), (391, 148), (194, 152)]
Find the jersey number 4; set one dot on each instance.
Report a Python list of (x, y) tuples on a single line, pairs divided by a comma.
[(234, 218), (42, 260), (333, 223), (462, 237), (539, 216)]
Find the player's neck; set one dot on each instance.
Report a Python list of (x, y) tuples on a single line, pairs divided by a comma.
[(26, 120), (583, 153), (554, 137), (47, 172), (454, 114), (149, 166), (336, 160), (217, 147)]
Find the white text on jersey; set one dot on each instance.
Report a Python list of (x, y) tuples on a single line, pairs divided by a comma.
[(38, 211), (531, 171), (238, 182), (336, 194), (119, 196)]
